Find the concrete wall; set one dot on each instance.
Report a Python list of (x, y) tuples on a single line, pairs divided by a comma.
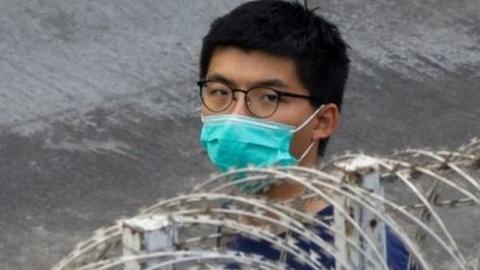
[(97, 103)]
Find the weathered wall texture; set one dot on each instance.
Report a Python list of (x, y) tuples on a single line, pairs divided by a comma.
[(97, 103)]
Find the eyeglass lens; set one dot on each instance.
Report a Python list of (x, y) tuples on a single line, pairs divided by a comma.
[(218, 97)]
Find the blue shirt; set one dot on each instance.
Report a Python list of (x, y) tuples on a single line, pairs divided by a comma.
[(397, 254)]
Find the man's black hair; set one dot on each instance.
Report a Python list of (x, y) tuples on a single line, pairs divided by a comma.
[(287, 29)]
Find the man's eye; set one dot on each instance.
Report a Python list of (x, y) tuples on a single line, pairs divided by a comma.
[(269, 98), (218, 92)]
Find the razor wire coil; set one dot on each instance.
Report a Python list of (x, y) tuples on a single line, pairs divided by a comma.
[(418, 190)]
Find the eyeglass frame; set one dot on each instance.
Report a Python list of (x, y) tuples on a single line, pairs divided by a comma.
[(202, 83)]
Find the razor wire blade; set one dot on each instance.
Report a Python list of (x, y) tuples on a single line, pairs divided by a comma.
[(416, 194)]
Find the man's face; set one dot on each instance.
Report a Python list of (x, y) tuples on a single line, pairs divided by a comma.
[(244, 70)]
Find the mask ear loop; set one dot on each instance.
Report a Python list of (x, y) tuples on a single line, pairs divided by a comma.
[(309, 119), (306, 152), (302, 126)]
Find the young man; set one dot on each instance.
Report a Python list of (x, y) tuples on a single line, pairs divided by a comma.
[(272, 76), (295, 66)]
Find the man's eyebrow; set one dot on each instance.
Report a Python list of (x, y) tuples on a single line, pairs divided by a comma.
[(268, 82), (220, 78), (272, 83)]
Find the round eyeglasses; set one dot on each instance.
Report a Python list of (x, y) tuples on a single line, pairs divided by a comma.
[(260, 101)]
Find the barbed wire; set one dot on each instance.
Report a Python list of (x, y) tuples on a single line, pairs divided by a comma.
[(405, 193)]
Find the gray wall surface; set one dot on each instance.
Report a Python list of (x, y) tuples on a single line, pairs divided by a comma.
[(98, 98)]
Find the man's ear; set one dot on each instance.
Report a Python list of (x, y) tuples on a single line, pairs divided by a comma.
[(328, 120)]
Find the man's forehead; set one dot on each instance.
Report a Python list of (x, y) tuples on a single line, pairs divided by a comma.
[(252, 67), (251, 53)]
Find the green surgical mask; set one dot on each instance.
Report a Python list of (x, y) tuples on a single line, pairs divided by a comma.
[(234, 142)]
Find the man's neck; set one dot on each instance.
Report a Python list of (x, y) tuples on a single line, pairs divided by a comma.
[(291, 190), (284, 191)]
